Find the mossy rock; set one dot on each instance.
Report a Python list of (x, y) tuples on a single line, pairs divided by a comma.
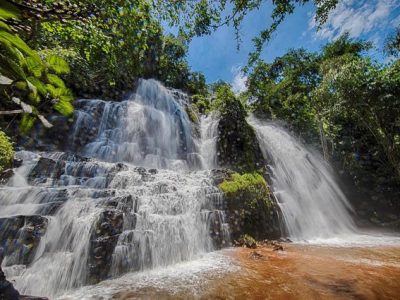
[(237, 144), (250, 208)]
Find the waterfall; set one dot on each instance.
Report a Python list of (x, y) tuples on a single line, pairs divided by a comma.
[(134, 197), (150, 129), (209, 136), (312, 203)]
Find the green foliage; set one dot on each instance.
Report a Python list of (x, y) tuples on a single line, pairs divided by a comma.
[(392, 46), (248, 241), (225, 100), (30, 76), (6, 151), (202, 103), (282, 90), (110, 50), (356, 89), (249, 182), (344, 45)]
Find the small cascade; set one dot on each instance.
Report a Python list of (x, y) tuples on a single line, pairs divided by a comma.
[(150, 129), (209, 136), (134, 198), (312, 203)]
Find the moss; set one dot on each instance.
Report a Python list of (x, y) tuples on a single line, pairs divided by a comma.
[(248, 239), (249, 205), (237, 143), (202, 103), (251, 186), (192, 115), (6, 151), (250, 182)]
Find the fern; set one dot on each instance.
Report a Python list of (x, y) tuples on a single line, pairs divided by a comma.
[(22, 69)]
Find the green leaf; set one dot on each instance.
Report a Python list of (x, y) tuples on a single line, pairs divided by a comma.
[(9, 11), (26, 123), (34, 97), (64, 107), (21, 85), (14, 69), (58, 64), (18, 43), (54, 92), (56, 81), (40, 86), (4, 26), (34, 66)]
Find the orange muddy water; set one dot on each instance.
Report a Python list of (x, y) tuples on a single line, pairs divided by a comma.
[(312, 272), (298, 272)]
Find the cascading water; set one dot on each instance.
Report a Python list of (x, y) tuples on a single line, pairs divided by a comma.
[(149, 129), (312, 203), (79, 220), (209, 136)]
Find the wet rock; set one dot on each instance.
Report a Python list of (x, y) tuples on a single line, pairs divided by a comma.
[(256, 255), (245, 241), (7, 290), (125, 204), (48, 139), (103, 241), (47, 168), (6, 175), (141, 170), (17, 162), (237, 144), (119, 167), (250, 208), (20, 237), (72, 157), (219, 175), (274, 244)]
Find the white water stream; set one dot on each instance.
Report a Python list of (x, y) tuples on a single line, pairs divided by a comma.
[(314, 208), (159, 214)]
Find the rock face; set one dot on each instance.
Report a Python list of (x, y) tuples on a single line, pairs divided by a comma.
[(250, 209), (7, 291), (20, 237), (105, 235), (237, 144), (45, 139)]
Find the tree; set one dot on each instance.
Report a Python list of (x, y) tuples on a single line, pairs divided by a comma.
[(392, 46), (369, 95), (282, 90)]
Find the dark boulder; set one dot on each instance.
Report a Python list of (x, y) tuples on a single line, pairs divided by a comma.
[(7, 290), (20, 237), (6, 175), (47, 168), (250, 207), (237, 144), (103, 240)]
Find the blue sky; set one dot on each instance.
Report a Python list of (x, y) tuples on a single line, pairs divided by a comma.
[(217, 57)]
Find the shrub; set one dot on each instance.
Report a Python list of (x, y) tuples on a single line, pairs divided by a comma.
[(6, 151)]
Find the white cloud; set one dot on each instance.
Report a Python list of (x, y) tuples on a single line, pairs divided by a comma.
[(239, 80), (355, 18)]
